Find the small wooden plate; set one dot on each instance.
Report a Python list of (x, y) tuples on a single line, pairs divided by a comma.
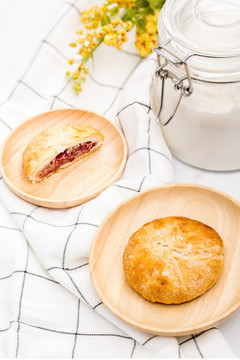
[(76, 184), (201, 203)]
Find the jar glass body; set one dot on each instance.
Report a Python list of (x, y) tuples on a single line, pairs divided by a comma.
[(205, 130)]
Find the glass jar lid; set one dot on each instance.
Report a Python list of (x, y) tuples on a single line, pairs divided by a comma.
[(207, 33)]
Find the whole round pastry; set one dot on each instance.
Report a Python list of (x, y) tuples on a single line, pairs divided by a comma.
[(173, 259)]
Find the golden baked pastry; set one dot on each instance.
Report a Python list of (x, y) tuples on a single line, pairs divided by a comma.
[(173, 259), (58, 148)]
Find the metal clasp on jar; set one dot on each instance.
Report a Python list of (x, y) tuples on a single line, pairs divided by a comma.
[(182, 84)]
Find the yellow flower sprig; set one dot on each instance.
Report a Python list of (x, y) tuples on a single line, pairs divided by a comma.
[(104, 25)]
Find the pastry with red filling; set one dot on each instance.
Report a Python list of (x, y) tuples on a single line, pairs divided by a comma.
[(58, 148)]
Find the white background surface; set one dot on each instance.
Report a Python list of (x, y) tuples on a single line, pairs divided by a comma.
[(23, 25)]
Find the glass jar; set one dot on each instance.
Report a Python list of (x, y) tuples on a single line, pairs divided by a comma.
[(197, 82)]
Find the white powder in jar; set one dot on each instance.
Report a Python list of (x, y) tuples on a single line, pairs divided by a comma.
[(205, 131)]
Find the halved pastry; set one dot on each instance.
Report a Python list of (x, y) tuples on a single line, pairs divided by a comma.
[(58, 148)]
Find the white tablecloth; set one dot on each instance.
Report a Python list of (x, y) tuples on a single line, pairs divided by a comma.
[(41, 31)]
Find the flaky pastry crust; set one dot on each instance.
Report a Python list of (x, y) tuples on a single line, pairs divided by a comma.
[(173, 260), (45, 146)]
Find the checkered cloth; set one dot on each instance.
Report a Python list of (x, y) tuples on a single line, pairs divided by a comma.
[(48, 306)]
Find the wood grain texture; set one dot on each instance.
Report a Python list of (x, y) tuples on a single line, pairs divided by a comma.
[(76, 184), (201, 203)]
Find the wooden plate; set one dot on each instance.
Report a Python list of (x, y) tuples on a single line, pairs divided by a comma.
[(76, 184), (196, 202)]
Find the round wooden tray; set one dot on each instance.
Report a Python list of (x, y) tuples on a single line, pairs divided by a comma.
[(76, 184), (196, 202)]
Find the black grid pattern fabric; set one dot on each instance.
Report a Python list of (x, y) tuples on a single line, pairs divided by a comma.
[(48, 306)]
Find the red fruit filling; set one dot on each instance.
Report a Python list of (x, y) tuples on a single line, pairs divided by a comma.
[(67, 156)]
